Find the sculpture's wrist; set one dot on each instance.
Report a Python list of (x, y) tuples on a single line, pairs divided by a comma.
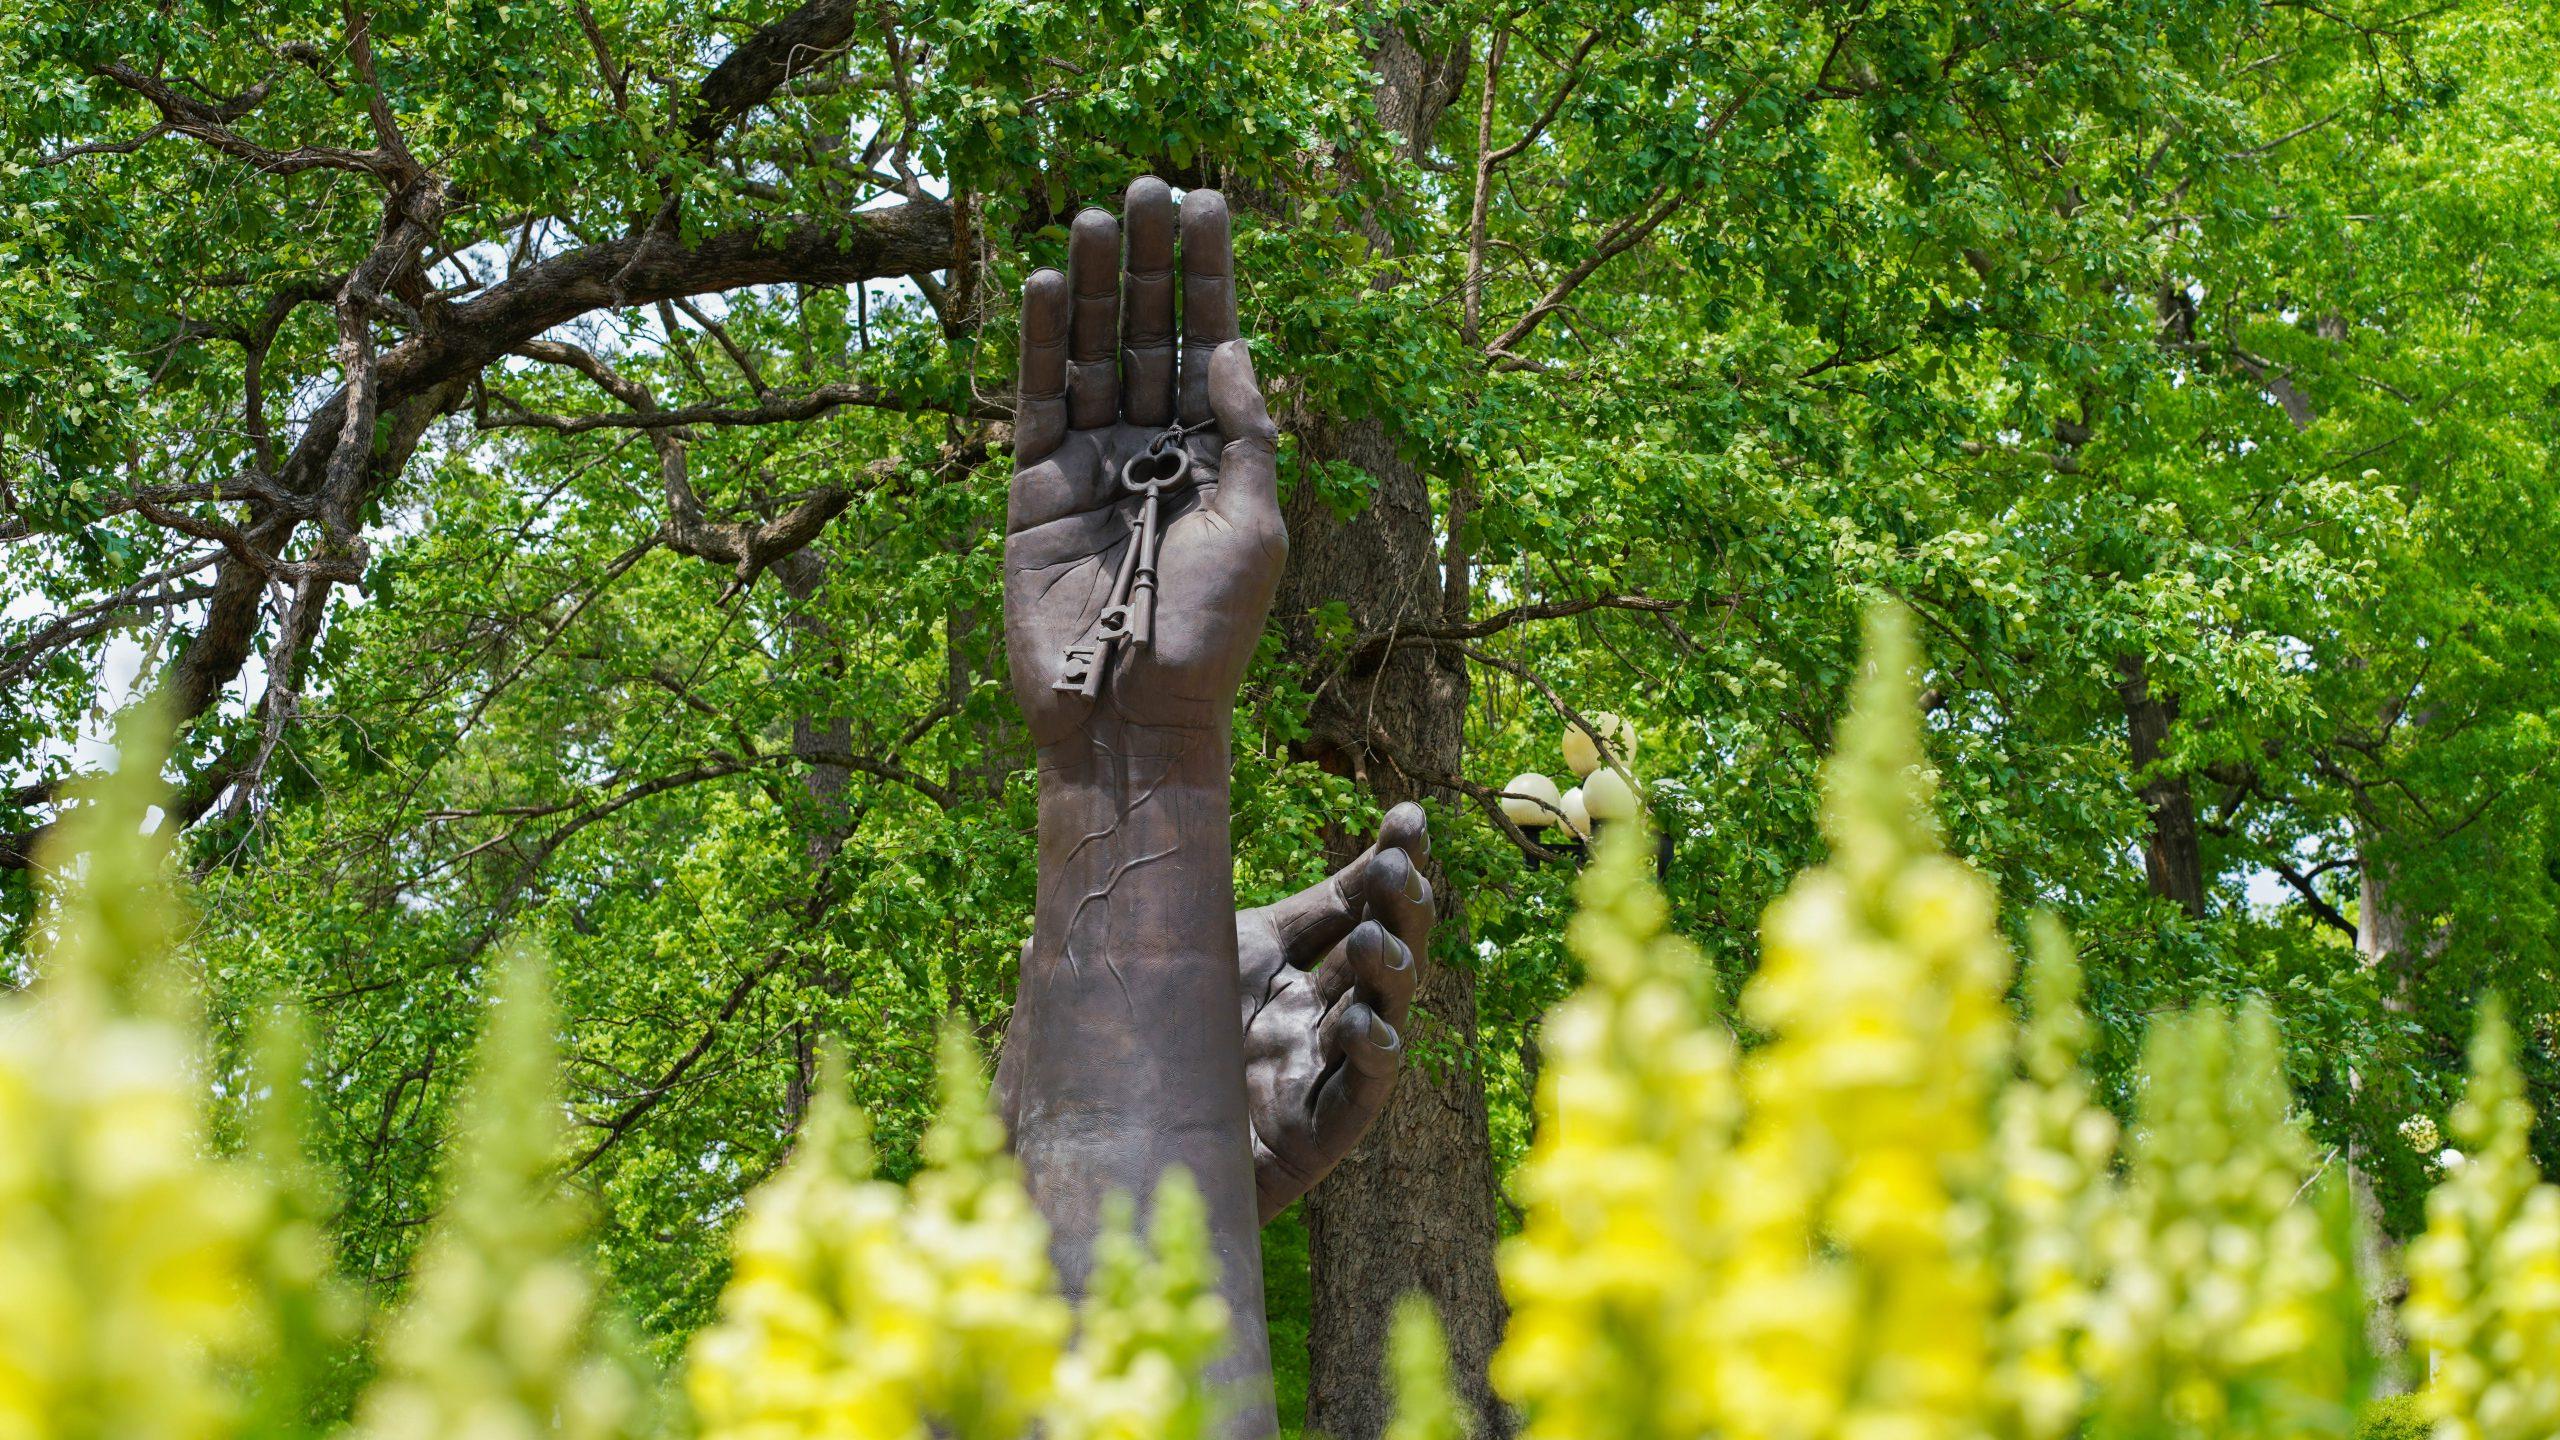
[(1136, 858), (1112, 760), (1134, 929)]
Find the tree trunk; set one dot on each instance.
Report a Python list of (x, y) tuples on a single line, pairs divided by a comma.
[(2171, 856), (2391, 942), (1413, 1207)]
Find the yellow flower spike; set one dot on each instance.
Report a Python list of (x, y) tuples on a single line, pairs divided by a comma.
[(2230, 1307), (504, 1333), (859, 1309), (1000, 1328), (2055, 1146), (1151, 1324), (1861, 1303), (129, 1261), (1611, 1278), (1426, 1407), (1877, 786), (2484, 1281)]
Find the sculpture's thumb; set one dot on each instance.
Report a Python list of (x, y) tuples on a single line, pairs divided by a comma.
[(1248, 471)]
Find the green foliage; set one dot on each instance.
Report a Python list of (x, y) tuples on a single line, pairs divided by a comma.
[(2208, 342), (2397, 1418)]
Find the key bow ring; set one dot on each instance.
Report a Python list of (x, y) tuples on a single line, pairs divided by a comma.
[(1164, 450)]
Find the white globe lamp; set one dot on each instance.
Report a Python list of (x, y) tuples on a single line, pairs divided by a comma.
[(1583, 754), (1530, 800), (1577, 818), (1608, 796)]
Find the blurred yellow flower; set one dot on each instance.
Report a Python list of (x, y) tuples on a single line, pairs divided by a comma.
[(128, 1257), (504, 1334), (860, 1309), (1611, 1275), (1865, 1150), (2484, 1281), (2230, 1307), (1427, 1407), (1151, 1322), (2055, 1149)]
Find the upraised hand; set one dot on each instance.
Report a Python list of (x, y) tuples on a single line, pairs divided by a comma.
[(1134, 596), (1102, 378), (1328, 978)]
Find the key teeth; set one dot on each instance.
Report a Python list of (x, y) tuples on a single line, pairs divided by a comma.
[(1081, 671)]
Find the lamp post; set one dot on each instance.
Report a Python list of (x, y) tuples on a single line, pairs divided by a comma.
[(1530, 799)]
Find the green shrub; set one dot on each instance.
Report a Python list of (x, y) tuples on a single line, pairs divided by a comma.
[(2397, 1418)]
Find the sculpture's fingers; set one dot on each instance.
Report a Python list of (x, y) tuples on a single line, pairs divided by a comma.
[(1352, 1095), (1208, 298), (1040, 396), (1248, 495), (1146, 345), (1361, 1038), (1407, 827), (1408, 912), (1315, 919), (1093, 352), (1374, 967)]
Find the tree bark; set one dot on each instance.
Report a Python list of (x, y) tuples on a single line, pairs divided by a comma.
[(1413, 1207), (2393, 943), (2172, 858)]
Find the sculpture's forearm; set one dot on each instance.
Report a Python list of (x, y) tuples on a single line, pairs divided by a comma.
[(1131, 1059), (1134, 932)]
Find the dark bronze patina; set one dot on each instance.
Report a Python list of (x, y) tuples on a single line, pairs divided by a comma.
[(1155, 1025)]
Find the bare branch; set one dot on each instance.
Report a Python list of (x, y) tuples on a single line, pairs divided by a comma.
[(1555, 103), (102, 147), (211, 124), (1377, 643)]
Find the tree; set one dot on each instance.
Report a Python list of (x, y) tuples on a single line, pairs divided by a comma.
[(553, 456)]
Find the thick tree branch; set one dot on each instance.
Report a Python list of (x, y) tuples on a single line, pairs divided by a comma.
[(778, 409), (793, 45), (2321, 910)]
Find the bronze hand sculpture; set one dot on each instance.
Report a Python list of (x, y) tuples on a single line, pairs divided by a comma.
[(1155, 1027)]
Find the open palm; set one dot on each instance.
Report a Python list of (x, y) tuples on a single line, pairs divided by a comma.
[(1102, 379)]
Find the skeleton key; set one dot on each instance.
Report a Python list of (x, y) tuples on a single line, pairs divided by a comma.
[(1130, 614)]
